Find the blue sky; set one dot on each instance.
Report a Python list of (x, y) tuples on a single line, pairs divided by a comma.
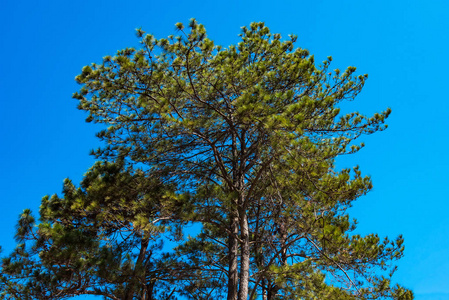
[(402, 45)]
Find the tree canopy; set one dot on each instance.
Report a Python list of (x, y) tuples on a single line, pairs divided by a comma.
[(239, 142)]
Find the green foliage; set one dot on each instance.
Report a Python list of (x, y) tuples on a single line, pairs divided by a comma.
[(240, 140), (97, 239)]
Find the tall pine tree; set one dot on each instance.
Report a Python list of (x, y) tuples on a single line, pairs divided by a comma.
[(250, 133)]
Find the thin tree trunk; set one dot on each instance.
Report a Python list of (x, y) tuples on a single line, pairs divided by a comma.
[(245, 255), (233, 252), (264, 290), (233, 241), (137, 268), (150, 288)]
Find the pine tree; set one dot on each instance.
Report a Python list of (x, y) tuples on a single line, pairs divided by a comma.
[(103, 238), (251, 134)]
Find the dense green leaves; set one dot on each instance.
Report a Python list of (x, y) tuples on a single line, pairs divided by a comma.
[(241, 141), (103, 238)]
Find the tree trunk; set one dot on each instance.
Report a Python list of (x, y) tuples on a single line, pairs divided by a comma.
[(150, 288), (233, 252), (264, 290), (245, 255), (138, 268)]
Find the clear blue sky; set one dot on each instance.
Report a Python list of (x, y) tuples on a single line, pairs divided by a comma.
[(402, 45)]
